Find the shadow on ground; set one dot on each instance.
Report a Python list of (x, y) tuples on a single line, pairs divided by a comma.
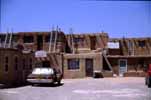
[(6, 86), (3, 86), (47, 85)]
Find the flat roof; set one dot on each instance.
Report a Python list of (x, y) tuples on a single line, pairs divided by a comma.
[(128, 56)]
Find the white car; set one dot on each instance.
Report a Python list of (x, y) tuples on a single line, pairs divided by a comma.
[(44, 75)]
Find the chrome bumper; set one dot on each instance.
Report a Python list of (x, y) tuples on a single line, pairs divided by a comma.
[(40, 80)]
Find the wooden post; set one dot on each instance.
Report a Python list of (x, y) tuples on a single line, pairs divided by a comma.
[(99, 40), (133, 52), (72, 40), (51, 34), (107, 61), (6, 39), (0, 43), (73, 50), (56, 34), (10, 39)]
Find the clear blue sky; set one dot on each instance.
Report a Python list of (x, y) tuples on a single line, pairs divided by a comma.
[(118, 18)]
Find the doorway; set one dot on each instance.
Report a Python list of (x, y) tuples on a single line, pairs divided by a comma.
[(122, 66), (92, 43), (46, 64), (39, 42), (89, 67)]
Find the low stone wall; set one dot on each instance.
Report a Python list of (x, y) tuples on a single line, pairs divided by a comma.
[(107, 74), (134, 74)]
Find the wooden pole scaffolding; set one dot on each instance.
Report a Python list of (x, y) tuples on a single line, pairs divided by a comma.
[(10, 39), (0, 43), (6, 39), (107, 61), (72, 40), (99, 40), (148, 45), (51, 34), (56, 35)]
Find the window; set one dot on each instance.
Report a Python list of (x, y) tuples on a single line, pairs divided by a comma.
[(141, 43), (122, 63), (24, 64), (6, 60), (6, 64), (16, 63), (2, 38), (77, 40), (6, 68), (46, 64), (47, 38), (73, 63), (28, 39), (30, 63)]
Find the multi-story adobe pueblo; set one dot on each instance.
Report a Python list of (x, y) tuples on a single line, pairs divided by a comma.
[(77, 55)]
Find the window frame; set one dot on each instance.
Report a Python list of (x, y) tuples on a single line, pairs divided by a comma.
[(78, 40), (6, 64), (142, 43), (47, 39), (28, 39), (16, 63), (73, 64), (24, 63), (30, 63)]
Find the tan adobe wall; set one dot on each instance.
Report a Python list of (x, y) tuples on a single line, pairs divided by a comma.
[(80, 73), (55, 60), (60, 40), (84, 43), (134, 64), (12, 76), (135, 48)]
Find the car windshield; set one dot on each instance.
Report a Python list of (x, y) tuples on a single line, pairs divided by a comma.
[(43, 71)]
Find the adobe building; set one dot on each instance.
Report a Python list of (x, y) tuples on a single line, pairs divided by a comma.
[(53, 60), (15, 66), (40, 41), (82, 65), (129, 56), (85, 56), (80, 55), (87, 42)]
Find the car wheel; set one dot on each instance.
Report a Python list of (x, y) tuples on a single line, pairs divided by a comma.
[(59, 82), (32, 84), (145, 81), (149, 85)]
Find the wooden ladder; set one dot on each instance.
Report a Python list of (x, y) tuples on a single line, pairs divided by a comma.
[(107, 61)]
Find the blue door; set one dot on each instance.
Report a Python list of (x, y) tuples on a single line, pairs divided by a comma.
[(122, 66)]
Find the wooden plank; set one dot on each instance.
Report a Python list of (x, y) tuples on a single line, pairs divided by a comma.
[(51, 34), (10, 39), (5, 40), (107, 61), (56, 35)]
